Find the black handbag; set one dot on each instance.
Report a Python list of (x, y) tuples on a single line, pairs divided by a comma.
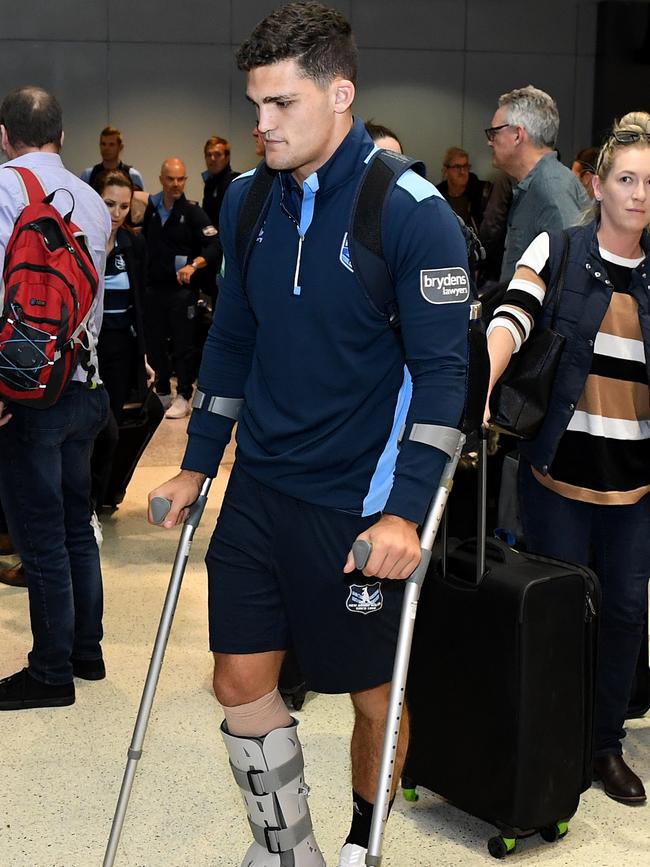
[(520, 398)]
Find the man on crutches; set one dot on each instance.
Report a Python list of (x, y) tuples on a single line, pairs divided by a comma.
[(323, 388)]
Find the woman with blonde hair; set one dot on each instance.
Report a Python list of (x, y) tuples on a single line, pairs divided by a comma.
[(584, 479)]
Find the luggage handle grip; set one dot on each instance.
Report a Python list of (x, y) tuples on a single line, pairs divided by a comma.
[(501, 551)]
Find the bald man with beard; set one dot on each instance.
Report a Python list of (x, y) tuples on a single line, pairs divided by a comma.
[(181, 242)]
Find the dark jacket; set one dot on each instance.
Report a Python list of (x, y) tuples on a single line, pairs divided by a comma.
[(477, 192), (214, 191), (320, 370), (584, 302), (187, 232)]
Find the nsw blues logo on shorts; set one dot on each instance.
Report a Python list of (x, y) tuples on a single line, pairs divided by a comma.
[(365, 598)]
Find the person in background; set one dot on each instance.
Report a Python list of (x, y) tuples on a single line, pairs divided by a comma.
[(584, 168), (383, 137), (181, 241), (216, 177), (466, 194), (584, 480), (546, 195), (111, 145), (121, 347), (259, 142), (45, 466)]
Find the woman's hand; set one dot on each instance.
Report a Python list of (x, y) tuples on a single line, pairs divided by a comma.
[(151, 373)]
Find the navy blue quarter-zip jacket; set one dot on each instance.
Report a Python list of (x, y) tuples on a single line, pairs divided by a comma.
[(328, 386)]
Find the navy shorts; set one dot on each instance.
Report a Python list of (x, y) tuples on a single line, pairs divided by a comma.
[(275, 575)]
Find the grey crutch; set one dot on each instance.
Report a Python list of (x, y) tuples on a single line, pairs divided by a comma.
[(450, 441), (159, 509)]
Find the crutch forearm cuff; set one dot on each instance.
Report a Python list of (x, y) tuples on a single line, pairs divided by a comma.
[(230, 407), (440, 437)]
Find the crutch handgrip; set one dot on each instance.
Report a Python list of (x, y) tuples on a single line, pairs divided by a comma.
[(160, 507), (361, 551)]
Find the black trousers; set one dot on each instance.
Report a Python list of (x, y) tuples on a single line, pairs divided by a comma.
[(170, 312), (118, 360)]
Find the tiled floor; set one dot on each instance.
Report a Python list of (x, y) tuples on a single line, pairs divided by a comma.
[(62, 768)]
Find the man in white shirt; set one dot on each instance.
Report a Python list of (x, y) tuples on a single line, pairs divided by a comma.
[(45, 466)]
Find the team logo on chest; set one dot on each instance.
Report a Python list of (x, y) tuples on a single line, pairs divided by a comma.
[(120, 264), (365, 598), (344, 255)]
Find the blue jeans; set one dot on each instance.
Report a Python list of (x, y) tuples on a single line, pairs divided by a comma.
[(615, 542), (45, 492)]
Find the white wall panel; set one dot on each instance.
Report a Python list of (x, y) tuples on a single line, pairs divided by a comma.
[(416, 24), (176, 116)]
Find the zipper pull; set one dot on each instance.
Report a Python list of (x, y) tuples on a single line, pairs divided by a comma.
[(590, 611), (296, 288)]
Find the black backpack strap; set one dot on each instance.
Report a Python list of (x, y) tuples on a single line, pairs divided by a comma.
[(365, 243), (252, 214)]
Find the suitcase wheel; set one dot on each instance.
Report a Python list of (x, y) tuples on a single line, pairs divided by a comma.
[(498, 847), (411, 795), (554, 832)]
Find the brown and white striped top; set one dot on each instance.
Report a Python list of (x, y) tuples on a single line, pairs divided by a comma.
[(604, 454)]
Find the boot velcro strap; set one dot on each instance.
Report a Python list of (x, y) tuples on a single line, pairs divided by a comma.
[(265, 782), (277, 840)]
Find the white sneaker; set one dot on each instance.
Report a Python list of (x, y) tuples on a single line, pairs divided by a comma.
[(180, 408), (97, 529), (352, 856), (165, 399)]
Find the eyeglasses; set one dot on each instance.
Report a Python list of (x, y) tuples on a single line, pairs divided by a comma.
[(628, 136), (460, 167), (491, 131)]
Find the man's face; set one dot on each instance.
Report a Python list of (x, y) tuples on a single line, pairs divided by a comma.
[(457, 174), (503, 141), (296, 117), (109, 147), (173, 177), (216, 158)]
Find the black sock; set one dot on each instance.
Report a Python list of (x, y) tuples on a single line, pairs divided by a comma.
[(361, 820)]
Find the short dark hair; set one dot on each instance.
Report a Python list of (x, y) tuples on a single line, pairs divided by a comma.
[(378, 130), (32, 117), (318, 38), (217, 140), (112, 131)]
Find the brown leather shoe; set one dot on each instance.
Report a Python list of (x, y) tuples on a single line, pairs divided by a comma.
[(14, 576), (619, 781), (6, 546)]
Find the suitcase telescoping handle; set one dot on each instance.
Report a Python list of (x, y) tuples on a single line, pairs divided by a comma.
[(159, 509), (361, 551)]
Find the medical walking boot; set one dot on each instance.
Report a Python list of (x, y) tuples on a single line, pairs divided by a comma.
[(269, 772)]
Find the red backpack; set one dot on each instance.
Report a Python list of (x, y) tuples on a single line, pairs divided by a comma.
[(50, 283)]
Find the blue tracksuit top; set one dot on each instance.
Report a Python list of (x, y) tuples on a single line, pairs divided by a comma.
[(327, 385)]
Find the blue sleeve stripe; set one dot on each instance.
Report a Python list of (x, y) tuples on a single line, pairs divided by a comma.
[(417, 186), (382, 479)]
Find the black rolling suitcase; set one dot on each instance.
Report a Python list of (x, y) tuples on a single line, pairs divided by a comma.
[(139, 423), (501, 689)]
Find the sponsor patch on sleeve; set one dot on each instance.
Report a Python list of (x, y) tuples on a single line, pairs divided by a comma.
[(444, 285), (209, 231)]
